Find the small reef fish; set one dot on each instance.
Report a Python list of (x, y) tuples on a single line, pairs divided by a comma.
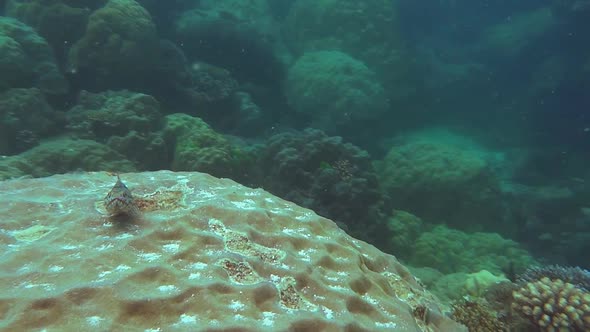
[(120, 202)]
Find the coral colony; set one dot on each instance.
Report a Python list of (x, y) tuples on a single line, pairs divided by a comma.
[(421, 165)]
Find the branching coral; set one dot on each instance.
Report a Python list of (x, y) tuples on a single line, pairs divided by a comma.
[(553, 305)]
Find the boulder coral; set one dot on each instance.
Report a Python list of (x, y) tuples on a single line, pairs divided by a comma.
[(126, 121), (27, 60), (334, 89), (368, 30), (207, 255), (195, 146), (63, 155), (327, 174), (450, 250), (443, 181), (60, 22), (120, 43), (26, 117), (234, 35)]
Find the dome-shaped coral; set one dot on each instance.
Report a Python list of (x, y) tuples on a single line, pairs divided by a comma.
[(334, 89)]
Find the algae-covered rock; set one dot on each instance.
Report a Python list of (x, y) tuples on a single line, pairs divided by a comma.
[(334, 89), (27, 60), (450, 250)]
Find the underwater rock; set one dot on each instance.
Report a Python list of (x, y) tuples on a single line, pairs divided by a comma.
[(208, 254), (27, 60), (334, 90)]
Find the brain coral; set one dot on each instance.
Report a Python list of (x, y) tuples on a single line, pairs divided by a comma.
[(207, 255), (334, 89)]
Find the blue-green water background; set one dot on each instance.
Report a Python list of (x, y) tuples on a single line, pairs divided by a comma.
[(469, 114)]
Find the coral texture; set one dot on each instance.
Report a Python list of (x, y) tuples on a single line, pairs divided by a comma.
[(443, 178), (64, 155), (120, 42), (450, 250), (325, 174), (25, 117), (477, 317), (195, 146), (27, 60), (207, 255), (553, 305), (334, 89), (125, 121)]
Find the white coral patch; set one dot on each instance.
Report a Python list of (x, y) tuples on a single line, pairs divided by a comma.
[(198, 266), (328, 312), (236, 306), (150, 256), (171, 248), (122, 267), (167, 288), (187, 319), (94, 320), (268, 318)]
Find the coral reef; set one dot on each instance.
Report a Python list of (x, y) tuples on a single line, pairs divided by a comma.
[(125, 121), (27, 60), (232, 39), (326, 174), (334, 89), (63, 155), (26, 117), (367, 30), (450, 250), (404, 229), (194, 146), (553, 305), (208, 254), (61, 23), (477, 317), (120, 44), (573, 275), (440, 178)]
